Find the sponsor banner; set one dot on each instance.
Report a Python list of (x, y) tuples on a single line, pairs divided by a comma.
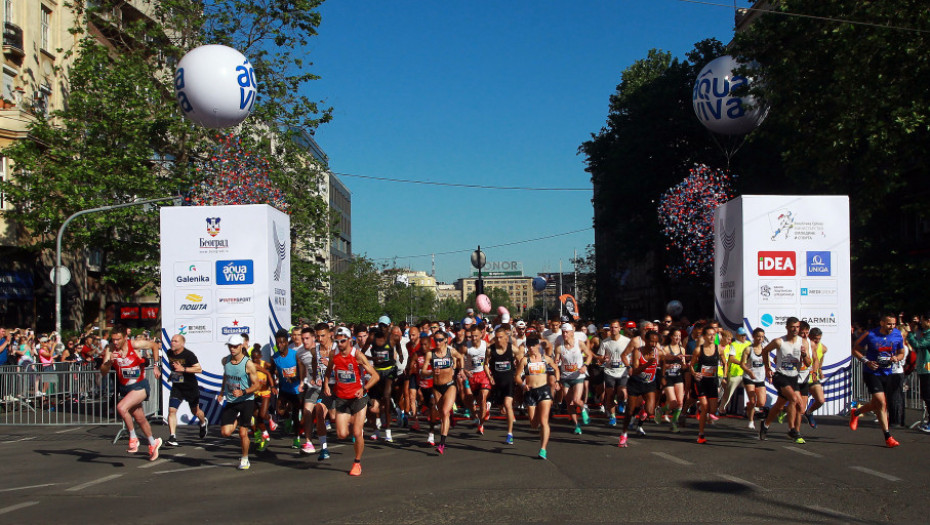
[(194, 330), (819, 264), (227, 326), (824, 319), (235, 300), (193, 302), (773, 320), (780, 263), (778, 291), (231, 272), (819, 292), (193, 273)]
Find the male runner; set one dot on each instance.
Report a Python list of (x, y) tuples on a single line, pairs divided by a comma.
[(878, 349), (239, 385), (616, 371), (790, 351), (184, 387), (284, 366)]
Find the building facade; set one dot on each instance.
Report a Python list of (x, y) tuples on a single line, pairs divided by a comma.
[(520, 289)]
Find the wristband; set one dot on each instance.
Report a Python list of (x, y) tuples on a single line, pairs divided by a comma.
[(863, 360)]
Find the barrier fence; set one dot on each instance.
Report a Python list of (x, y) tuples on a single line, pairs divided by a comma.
[(65, 394)]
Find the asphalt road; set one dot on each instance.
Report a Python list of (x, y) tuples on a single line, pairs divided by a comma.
[(75, 474)]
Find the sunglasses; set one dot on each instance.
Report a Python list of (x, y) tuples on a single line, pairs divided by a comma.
[(439, 339), (343, 340)]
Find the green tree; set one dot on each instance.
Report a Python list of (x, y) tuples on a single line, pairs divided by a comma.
[(850, 114), (408, 302), (498, 297), (356, 292)]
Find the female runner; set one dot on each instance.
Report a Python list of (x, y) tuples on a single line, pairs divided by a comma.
[(446, 362), (538, 395)]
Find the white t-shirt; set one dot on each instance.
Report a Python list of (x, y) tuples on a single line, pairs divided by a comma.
[(613, 349)]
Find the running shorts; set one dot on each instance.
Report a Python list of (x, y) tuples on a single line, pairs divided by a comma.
[(124, 390), (350, 406), (780, 381), (635, 387), (534, 395), (500, 391), (240, 411), (615, 382), (312, 394), (479, 381), (180, 395), (707, 387), (875, 383)]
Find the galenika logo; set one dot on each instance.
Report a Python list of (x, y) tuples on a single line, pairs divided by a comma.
[(777, 264)]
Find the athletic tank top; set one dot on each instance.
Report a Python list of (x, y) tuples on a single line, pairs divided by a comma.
[(382, 357), (286, 366), (804, 371), (708, 364), (674, 365), (130, 369), (649, 374), (501, 365), (756, 370), (236, 379), (819, 375), (348, 375), (788, 357), (572, 360), (441, 362), (262, 375), (474, 357), (535, 368)]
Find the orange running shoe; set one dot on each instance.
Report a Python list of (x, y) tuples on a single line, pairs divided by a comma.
[(891, 442), (356, 469), (701, 440), (853, 420), (133, 445)]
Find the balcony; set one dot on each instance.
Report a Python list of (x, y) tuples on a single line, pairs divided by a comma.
[(13, 41)]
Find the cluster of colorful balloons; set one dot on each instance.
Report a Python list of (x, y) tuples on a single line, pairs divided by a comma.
[(234, 175), (686, 215)]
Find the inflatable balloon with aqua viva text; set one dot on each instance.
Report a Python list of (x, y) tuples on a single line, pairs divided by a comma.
[(715, 105), (215, 86)]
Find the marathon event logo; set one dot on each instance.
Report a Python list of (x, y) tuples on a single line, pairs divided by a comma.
[(212, 244), (235, 301), (727, 242), (195, 330), (239, 271), (280, 251), (235, 326), (187, 302), (777, 264), (193, 273), (818, 264), (785, 225)]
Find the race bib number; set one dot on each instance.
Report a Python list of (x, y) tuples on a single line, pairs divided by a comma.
[(177, 377), (502, 366), (708, 371), (570, 367), (673, 370), (289, 373), (757, 364), (132, 372), (787, 366), (345, 376), (477, 361), (616, 364), (536, 368), (381, 355)]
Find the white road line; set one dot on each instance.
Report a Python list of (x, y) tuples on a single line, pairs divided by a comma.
[(65, 431), (741, 481), (104, 479), (882, 475), (29, 487), (191, 469), (18, 440), (836, 513), (18, 506), (802, 451), (672, 458)]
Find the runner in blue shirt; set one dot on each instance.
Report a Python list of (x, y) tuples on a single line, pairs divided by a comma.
[(878, 349), (284, 366)]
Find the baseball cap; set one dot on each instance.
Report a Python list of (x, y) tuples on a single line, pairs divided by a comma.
[(43, 339), (470, 311), (521, 324), (568, 326), (384, 320), (234, 340), (344, 332), (741, 331), (505, 318), (630, 324), (468, 321), (592, 329)]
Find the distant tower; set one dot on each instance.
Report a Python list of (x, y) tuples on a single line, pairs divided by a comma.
[(434, 266)]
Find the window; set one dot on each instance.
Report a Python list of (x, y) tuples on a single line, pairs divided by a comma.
[(46, 28), (2, 179), (8, 11), (8, 78)]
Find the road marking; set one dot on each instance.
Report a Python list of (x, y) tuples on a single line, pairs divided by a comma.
[(836, 513), (18, 440), (882, 475), (104, 479), (741, 481), (68, 430), (672, 458), (29, 487), (802, 451), (191, 469), (18, 506)]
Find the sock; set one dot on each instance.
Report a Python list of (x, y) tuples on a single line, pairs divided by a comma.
[(323, 441), (203, 422), (887, 434), (377, 424), (152, 439), (676, 414), (442, 440), (624, 434), (387, 433), (132, 434), (357, 461), (245, 458)]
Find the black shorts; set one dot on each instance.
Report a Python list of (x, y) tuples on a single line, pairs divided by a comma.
[(501, 391), (924, 382), (595, 374), (616, 382), (674, 380), (635, 387), (180, 395), (534, 395), (124, 390), (350, 406), (780, 381), (708, 387), (875, 383), (240, 411), (287, 397), (441, 389), (757, 384), (805, 388), (386, 373)]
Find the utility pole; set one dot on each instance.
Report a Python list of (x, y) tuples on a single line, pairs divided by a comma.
[(561, 291)]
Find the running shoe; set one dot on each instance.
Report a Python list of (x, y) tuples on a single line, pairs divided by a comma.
[(487, 414), (585, 418), (811, 421), (612, 421), (924, 428), (307, 448), (542, 453), (256, 437), (763, 431), (266, 436), (621, 407), (244, 464), (272, 426), (793, 434), (404, 421), (431, 440), (153, 449), (622, 443), (666, 419), (701, 440), (640, 430), (752, 425), (891, 442), (853, 420), (799, 441), (295, 443), (441, 449), (375, 437), (577, 431), (203, 431), (356, 469), (781, 416), (481, 429), (328, 426), (467, 414), (288, 426), (262, 445), (713, 417), (388, 438), (133, 445), (509, 439), (324, 455), (172, 441)]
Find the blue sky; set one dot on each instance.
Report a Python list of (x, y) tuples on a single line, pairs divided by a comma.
[(489, 93)]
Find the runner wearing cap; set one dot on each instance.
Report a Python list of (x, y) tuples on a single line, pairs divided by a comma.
[(610, 355), (349, 398), (240, 382), (574, 357)]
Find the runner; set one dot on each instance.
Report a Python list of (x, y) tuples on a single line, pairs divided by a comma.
[(133, 388), (673, 367), (642, 385), (755, 365), (616, 371), (816, 387), (476, 352), (878, 349), (240, 382), (790, 351), (804, 375), (705, 367), (184, 387), (538, 396), (324, 408), (733, 372), (311, 386), (445, 363), (384, 360), (573, 358), (349, 398), (265, 380), (500, 365), (919, 340), (284, 366)]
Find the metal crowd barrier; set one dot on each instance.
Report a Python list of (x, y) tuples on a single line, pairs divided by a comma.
[(64, 394), (911, 388)]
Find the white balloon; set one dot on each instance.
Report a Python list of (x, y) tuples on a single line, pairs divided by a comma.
[(215, 86), (714, 103)]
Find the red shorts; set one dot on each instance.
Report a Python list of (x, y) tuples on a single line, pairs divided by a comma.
[(479, 381)]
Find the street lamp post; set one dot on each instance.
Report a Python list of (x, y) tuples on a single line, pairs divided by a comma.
[(57, 272), (478, 260)]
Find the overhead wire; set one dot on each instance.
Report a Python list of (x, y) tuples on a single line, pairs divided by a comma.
[(456, 184), (465, 250)]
